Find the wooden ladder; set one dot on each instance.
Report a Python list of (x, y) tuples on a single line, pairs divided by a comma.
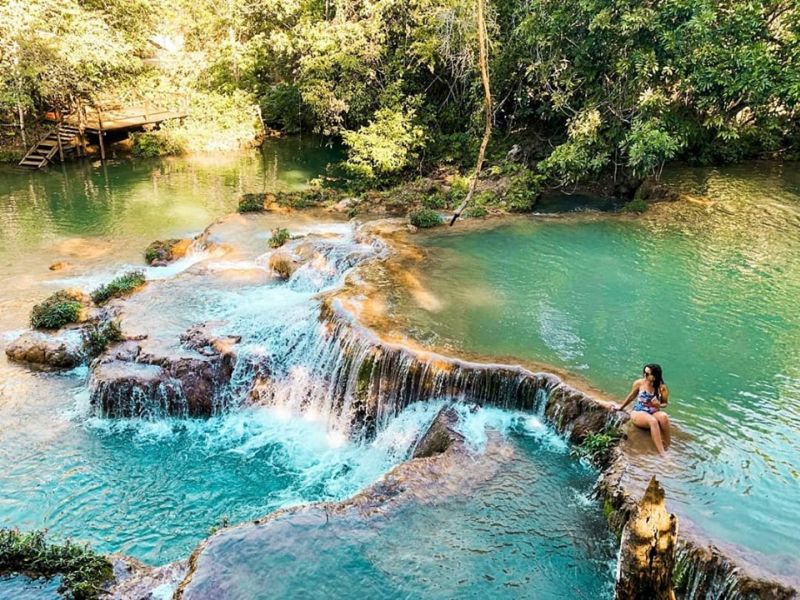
[(46, 148)]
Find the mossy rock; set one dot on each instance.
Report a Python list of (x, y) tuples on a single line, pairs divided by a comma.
[(124, 285), (84, 573), (637, 205), (162, 252), (59, 309), (252, 202)]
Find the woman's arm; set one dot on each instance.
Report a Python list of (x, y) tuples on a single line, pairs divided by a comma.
[(634, 391)]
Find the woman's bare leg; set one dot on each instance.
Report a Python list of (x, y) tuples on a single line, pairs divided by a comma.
[(663, 423), (645, 420)]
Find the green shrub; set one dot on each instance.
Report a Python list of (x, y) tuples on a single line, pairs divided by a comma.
[(436, 200), (59, 309), (152, 144), (424, 218), (83, 572), (637, 205), (474, 212), (278, 238), (597, 447), (523, 192), (252, 202), (119, 286), (96, 337)]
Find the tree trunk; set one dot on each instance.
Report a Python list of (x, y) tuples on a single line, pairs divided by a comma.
[(647, 550), (483, 51)]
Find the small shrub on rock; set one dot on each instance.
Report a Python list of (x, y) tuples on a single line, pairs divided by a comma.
[(252, 203), (160, 251), (97, 337), (278, 238), (120, 286), (597, 447), (83, 572), (637, 205), (475, 212), (58, 310), (424, 218)]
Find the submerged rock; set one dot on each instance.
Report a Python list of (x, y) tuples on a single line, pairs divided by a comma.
[(62, 349), (647, 550), (60, 266), (141, 379)]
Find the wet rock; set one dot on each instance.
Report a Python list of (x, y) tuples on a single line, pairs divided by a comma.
[(63, 349), (162, 252), (647, 550), (441, 435), (344, 205), (283, 264), (141, 379), (134, 580)]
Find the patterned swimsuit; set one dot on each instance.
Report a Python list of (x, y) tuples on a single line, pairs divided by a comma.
[(643, 402)]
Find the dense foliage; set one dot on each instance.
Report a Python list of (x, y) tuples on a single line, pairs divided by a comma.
[(83, 572), (590, 89)]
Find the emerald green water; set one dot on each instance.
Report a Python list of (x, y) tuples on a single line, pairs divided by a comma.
[(709, 291)]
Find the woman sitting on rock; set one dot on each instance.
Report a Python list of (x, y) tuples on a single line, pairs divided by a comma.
[(651, 396)]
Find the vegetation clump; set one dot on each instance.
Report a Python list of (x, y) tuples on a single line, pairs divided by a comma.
[(637, 205), (97, 337), (597, 447), (475, 212), (59, 309), (83, 572), (152, 144), (160, 251), (252, 202), (279, 237), (120, 286), (424, 218)]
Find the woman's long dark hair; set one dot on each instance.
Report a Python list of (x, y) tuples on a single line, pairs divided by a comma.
[(656, 371)]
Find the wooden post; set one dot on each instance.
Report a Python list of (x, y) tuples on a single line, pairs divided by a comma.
[(58, 135), (100, 134)]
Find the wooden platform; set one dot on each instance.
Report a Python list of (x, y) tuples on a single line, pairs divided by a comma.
[(130, 117)]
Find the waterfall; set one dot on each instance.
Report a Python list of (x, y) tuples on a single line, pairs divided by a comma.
[(292, 346)]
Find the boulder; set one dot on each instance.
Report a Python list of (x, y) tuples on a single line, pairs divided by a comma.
[(63, 349), (440, 436)]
